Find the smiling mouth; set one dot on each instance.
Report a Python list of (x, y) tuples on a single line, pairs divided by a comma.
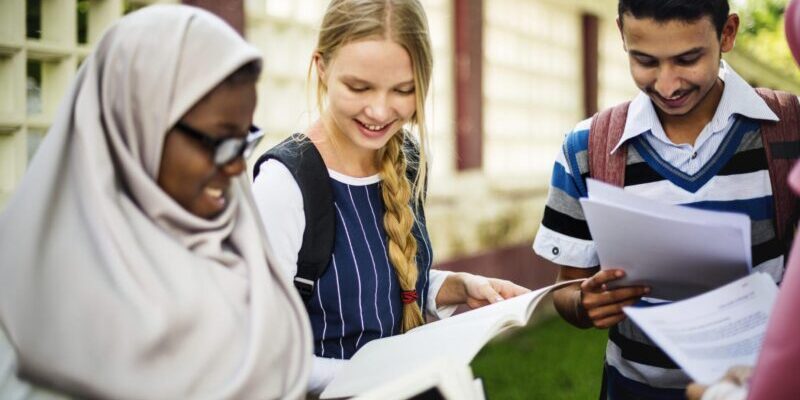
[(215, 193), (674, 97), (676, 100), (374, 128), (215, 197)]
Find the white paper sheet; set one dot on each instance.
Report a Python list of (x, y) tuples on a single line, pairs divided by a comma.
[(678, 251), (708, 334)]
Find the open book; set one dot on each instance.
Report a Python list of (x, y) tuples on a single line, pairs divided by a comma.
[(457, 339), (440, 378), (708, 334), (678, 251)]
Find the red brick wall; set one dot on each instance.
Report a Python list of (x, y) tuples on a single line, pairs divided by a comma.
[(591, 43), (468, 81), (518, 264)]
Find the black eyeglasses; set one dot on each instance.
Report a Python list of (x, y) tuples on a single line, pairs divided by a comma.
[(225, 149)]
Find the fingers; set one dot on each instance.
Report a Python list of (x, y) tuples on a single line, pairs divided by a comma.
[(473, 304), (609, 315), (608, 322), (593, 300), (489, 294), (731, 385), (599, 280), (507, 289), (479, 291), (603, 306), (695, 391), (739, 374), (482, 291)]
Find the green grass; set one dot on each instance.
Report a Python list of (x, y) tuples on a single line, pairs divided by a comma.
[(551, 360)]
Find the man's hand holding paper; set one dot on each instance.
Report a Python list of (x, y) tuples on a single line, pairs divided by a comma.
[(602, 304), (666, 246)]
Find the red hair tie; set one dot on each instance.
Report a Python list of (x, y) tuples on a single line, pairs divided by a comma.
[(408, 296)]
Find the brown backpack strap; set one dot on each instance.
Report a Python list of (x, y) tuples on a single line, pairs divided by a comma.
[(782, 145), (605, 132)]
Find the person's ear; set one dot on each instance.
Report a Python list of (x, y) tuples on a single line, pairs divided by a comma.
[(319, 63), (728, 34)]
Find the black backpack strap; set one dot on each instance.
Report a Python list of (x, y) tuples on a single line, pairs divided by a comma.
[(302, 159)]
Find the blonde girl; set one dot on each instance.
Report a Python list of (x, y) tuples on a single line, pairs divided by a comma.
[(373, 65)]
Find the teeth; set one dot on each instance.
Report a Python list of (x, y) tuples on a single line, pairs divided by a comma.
[(215, 193), (374, 127)]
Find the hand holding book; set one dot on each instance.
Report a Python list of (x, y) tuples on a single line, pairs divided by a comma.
[(733, 386), (476, 291), (458, 339)]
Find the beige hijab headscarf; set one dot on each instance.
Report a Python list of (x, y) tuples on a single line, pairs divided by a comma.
[(108, 287)]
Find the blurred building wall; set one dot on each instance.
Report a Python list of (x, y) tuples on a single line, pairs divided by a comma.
[(534, 91), (541, 66)]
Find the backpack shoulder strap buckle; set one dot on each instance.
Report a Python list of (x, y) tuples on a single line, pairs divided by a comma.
[(304, 286)]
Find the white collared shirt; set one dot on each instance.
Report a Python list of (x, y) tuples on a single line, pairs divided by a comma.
[(738, 98)]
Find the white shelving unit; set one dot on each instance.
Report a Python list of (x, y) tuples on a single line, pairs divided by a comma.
[(42, 43)]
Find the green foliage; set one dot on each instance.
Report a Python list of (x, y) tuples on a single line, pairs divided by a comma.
[(762, 16), (552, 360), (762, 34)]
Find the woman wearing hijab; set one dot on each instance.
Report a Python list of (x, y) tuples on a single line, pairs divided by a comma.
[(133, 259)]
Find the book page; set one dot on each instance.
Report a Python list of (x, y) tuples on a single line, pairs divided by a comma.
[(448, 379), (480, 391), (458, 338), (708, 334), (514, 311), (380, 360)]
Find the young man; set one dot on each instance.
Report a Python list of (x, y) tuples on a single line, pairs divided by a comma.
[(691, 136)]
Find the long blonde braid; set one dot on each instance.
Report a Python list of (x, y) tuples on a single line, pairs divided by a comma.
[(398, 220), (404, 22)]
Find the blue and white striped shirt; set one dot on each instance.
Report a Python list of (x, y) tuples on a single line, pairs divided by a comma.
[(729, 172)]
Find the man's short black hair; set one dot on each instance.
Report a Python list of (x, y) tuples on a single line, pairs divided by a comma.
[(677, 10)]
